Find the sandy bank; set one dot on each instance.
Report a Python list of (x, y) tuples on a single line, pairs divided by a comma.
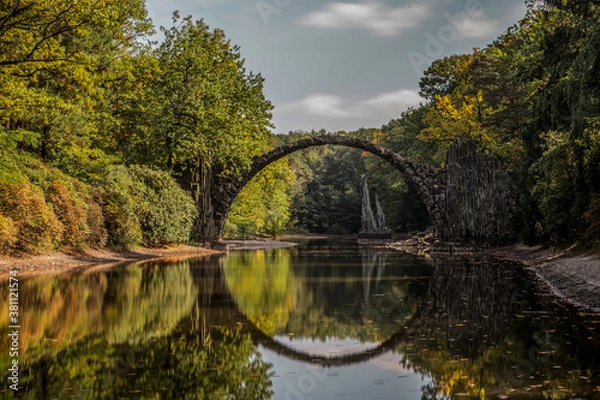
[(573, 278), (64, 261), (257, 244), (56, 261)]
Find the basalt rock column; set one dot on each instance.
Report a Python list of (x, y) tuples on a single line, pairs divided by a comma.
[(478, 197)]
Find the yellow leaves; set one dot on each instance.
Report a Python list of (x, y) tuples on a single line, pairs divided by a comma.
[(263, 287), (454, 116), (447, 109), (554, 140)]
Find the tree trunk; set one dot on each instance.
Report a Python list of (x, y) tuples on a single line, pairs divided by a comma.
[(198, 179)]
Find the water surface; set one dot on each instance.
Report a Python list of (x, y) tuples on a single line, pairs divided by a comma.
[(324, 320)]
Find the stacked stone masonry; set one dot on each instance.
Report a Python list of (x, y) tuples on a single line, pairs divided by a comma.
[(470, 200)]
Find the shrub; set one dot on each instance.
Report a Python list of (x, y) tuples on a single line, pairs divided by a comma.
[(119, 192), (72, 215), (143, 205), (37, 226), (70, 212), (8, 234), (95, 231), (166, 212), (43, 208), (97, 236)]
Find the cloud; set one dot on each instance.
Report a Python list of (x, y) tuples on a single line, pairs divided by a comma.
[(324, 105), (385, 105), (482, 27), (391, 102), (379, 18)]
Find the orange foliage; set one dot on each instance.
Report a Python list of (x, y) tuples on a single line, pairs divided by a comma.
[(36, 225), (70, 213)]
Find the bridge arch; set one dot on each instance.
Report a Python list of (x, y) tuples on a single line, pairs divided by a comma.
[(402, 336), (427, 180), (470, 200)]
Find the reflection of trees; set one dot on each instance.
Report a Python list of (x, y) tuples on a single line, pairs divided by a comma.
[(315, 296), (170, 367), (136, 332), (55, 307), (137, 303), (144, 302), (471, 304), (263, 286), (473, 338)]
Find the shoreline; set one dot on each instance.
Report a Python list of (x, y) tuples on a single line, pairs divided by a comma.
[(256, 244), (68, 260), (573, 279)]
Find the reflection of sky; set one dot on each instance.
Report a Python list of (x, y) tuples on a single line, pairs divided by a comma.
[(380, 378), (331, 348)]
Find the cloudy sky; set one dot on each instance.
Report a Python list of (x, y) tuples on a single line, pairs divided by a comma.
[(345, 64)]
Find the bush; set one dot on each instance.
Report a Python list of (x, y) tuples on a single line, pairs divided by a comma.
[(166, 212), (143, 205), (92, 222), (44, 208), (118, 193), (37, 227), (97, 236), (8, 234), (70, 212)]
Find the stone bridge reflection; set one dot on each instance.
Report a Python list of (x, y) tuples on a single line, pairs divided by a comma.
[(469, 305), (479, 327), (472, 327)]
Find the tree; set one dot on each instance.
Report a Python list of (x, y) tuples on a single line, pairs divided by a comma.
[(263, 206), (206, 112), (55, 57), (404, 209)]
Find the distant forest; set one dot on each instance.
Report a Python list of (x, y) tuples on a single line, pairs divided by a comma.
[(98, 124)]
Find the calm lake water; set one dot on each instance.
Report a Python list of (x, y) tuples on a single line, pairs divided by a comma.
[(324, 320)]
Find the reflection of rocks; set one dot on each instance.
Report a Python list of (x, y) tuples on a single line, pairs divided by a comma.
[(373, 265), (482, 329), (471, 304)]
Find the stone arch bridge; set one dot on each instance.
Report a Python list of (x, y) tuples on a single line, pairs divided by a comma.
[(469, 200)]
